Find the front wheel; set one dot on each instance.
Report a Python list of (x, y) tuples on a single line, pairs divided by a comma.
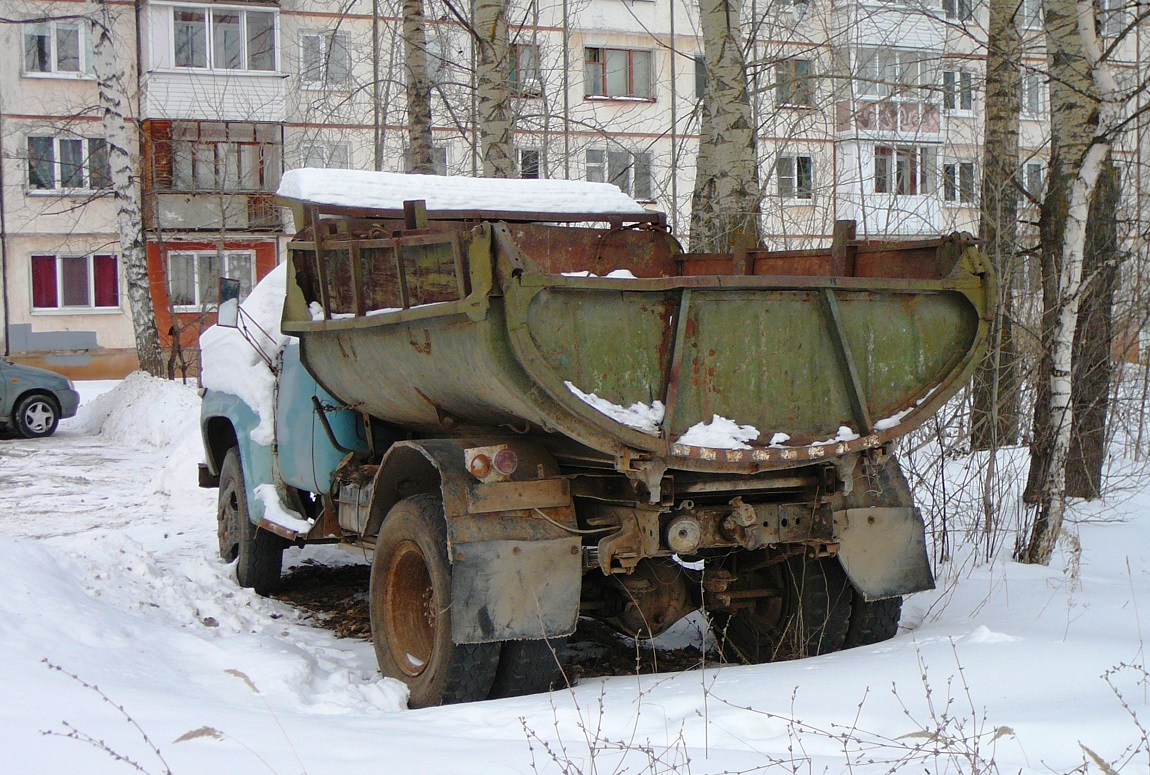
[(257, 553), (36, 416), (411, 610), (801, 607)]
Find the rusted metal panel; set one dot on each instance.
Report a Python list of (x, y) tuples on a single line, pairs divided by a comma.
[(508, 496), (506, 590), (883, 550)]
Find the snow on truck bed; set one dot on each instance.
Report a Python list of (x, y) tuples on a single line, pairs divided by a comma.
[(389, 190)]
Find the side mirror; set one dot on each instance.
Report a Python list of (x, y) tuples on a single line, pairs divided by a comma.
[(228, 314)]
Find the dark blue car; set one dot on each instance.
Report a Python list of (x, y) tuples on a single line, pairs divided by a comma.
[(33, 401)]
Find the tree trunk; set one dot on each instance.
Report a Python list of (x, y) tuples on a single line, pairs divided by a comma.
[(125, 189), (1090, 388), (493, 91), (420, 157), (1085, 113), (994, 415), (727, 199)]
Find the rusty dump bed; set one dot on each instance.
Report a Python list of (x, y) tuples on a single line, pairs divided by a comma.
[(473, 325)]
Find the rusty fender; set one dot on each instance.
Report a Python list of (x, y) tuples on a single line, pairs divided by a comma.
[(516, 562)]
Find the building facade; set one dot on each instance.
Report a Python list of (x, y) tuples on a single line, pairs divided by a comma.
[(864, 110)]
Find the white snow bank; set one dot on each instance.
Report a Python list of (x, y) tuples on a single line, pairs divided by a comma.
[(277, 513), (231, 365), (844, 434), (389, 190), (719, 433), (638, 416)]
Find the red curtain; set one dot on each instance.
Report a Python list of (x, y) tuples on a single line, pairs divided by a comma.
[(44, 282), (107, 281)]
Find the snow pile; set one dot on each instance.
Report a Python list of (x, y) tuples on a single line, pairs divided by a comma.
[(389, 190), (614, 274), (277, 513), (719, 433), (844, 434), (232, 365), (638, 416)]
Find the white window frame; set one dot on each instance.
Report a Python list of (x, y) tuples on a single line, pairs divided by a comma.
[(1034, 179), (788, 179), (959, 10), (525, 158), (618, 166), (1031, 12), (57, 162), (789, 82), (525, 81), (600, 90), (209, 304), (958, 91), (90, 305), (919, 159), (1111, 15), (209, 12), (888, 80), (954, 174), (328, 156), (1032, 93), (53, 29), (325, 80)]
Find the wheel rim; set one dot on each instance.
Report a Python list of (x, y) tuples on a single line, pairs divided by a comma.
[(411, 611), (38, 416)]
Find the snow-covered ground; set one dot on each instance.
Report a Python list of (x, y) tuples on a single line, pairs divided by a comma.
[(111, 575)]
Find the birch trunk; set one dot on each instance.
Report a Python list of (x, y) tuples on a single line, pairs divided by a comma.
[(418, 89), (726, 203), (1090, 392), (994, 416), (1085, 112), (126, 191), (493, 92)]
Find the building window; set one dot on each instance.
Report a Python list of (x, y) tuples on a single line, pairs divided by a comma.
[(68, 163), (324, 59), (700, 76), (896, 74), (529, 163), (438, 159), (1033, 179), (1031, 14), (224, 38), (194, 277), (62, 47), (328, 155), (794, 86), (75, 282), (960, 10), (1031, 92), (223, 156), (616, 72), (796, 178), (437, 63), (523, 70), (958, 182), (903, 170), (630, 171), (1111, 18), (957, 91)]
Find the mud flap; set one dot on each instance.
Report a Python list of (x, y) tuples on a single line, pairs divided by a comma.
[(508, 590), (883, 550)]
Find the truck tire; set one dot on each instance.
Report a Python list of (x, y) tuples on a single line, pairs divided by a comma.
[(808, 616), (526, 667), (36, 416), (258, 554), (410, 601), (872, 622)]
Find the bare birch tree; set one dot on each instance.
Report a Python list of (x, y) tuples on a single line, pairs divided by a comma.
[(493, 92), (418, 88), (1086, 112), (124, 165), (725, 207)]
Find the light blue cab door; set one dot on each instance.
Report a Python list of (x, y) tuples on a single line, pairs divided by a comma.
[(307, 458)]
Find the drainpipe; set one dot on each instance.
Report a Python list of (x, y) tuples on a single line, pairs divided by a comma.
[(3, 227)]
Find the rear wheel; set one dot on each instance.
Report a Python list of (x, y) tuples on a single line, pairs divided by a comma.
[(258, 554), (872, 622), (36, 416), (411, 610), (526, 667), (803, 610)]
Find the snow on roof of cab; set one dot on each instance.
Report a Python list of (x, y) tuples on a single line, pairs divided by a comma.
[(389, 190)]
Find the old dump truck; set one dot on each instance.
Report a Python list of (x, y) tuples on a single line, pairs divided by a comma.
[(519, 433)]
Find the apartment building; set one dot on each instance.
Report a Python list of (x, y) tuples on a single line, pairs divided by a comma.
[(865, 110)]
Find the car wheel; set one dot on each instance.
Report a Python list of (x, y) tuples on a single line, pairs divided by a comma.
[(36, 416), (410, 601), (527, 667), (873, 622), (258, 554)]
